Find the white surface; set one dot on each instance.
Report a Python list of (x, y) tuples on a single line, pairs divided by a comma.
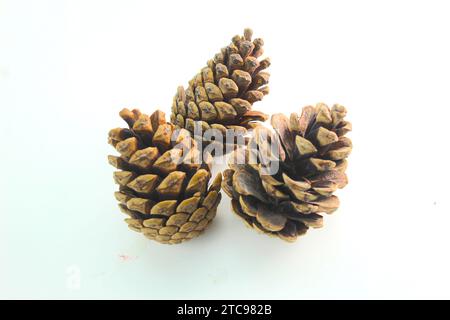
[(66, 69)]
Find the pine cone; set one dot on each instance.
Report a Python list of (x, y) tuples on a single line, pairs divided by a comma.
[(162, 183), (310, 151), (221, 95)]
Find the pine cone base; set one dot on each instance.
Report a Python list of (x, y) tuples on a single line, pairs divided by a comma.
[(310, 150), (187, 222)]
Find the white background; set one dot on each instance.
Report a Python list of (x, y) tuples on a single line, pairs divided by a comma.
[(67, 68)]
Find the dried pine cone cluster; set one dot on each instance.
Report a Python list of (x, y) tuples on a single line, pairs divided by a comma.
[(286, 176), (310, 152), (221, 95), (163, 187)]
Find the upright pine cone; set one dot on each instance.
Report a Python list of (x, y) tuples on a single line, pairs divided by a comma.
[(163, 187), (221, 95), (310, 151)]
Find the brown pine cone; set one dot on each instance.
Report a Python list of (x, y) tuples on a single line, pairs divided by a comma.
[(309, 151), (163, 184), (221, 95)]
